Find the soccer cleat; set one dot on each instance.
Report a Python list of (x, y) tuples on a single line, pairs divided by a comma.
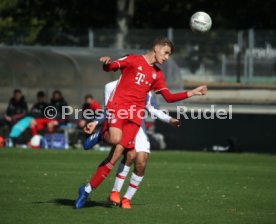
[(92, 140), (114, 198), (83, 195), (125, 203)]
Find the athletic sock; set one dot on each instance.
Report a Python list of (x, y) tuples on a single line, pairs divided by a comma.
[(101, 173), (33, 130), (88, 188), (120, 177), (133, 186)]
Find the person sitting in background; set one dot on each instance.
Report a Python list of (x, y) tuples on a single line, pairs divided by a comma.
[(37, 110), (57, 101), (89, 104), (17, 108), (38, 113)]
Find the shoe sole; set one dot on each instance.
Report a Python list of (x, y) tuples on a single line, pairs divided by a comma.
[(124, 208), (121, 206), (114, 203)]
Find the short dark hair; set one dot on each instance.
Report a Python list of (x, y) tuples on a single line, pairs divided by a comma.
[(17, 91), (57, 92), (163, 41), (40, 94), (88, 96)]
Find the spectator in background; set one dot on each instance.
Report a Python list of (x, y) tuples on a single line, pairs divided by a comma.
[(37, 112), (17, 108), (58, 102), (89, 104)]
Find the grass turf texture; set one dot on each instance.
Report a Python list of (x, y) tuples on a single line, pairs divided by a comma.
[(179, 187)]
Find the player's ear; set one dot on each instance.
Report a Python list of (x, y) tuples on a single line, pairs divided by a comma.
[(156, 48)]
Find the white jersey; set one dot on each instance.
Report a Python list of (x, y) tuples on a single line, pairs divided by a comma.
[(142, 143)]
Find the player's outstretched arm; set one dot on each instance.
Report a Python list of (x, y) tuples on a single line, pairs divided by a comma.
[(109, 65), (105, 60), (175, 122), (199, 91), (174, 97), (161, 115), (151, 107), (90, 127)]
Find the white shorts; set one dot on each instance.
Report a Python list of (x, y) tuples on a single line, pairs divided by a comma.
[(142, 143)]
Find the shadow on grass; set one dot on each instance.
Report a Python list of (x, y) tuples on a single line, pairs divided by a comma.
[(71, 203)]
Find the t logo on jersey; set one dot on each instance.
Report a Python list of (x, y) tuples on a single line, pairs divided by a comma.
[(140, 78)]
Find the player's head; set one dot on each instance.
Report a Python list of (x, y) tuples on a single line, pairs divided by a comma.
[(88, 98), (41, 96), (162, 48), (17, 94), (57, 95)]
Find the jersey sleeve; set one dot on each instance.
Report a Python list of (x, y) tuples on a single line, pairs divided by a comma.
[(173, 97), (95, 105), (108, 90), (160, 86), (152, 108), (161, 115), (120, 63)]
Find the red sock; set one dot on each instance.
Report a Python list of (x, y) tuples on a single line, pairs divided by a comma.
[(101, 173), (33, 130)]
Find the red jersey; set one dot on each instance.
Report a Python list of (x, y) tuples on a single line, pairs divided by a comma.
[(94, 105), (137, 79)]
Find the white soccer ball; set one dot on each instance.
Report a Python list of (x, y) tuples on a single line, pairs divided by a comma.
[(200, 22)]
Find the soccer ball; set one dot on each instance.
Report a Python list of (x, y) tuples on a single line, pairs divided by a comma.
[(200, 22)]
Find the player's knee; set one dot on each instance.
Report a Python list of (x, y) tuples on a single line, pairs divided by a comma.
[(114, 136), (114, 140), (140, 168), (130, 157)]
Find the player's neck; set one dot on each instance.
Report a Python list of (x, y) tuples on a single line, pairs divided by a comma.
[(150, 58)]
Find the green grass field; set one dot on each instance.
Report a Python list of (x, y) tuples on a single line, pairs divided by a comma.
[(179, 187)]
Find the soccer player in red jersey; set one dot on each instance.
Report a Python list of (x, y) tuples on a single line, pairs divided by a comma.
[(140, 74)]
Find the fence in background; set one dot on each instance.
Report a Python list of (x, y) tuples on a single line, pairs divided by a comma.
[(247, 56), (74, 71), (71, 63)]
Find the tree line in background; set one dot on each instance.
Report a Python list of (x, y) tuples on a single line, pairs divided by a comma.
[(42, 22)]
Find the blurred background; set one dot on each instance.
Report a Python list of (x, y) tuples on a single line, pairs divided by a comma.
[(55, 45)]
